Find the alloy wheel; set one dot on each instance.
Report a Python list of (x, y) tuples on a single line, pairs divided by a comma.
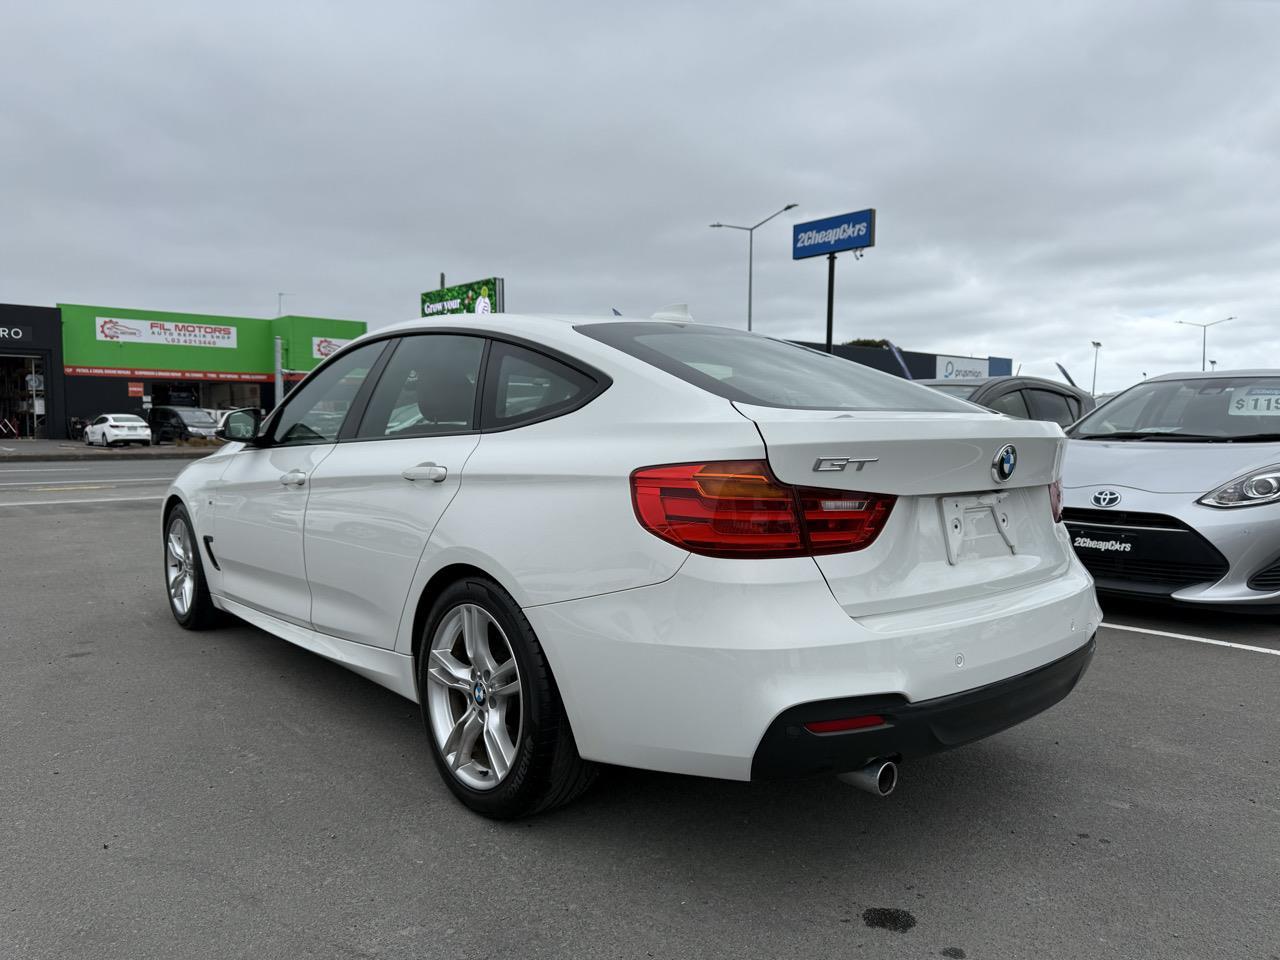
[(179, 565), (473, 696)]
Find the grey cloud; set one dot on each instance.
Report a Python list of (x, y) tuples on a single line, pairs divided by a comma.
[(1044, 174)]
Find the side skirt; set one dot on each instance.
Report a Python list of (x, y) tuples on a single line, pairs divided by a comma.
[(385, 667)]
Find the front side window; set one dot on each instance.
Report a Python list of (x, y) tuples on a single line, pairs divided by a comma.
[(316, 412), (772, 373), (195, 417), (522, 386), (427, 389), (1199, 408)]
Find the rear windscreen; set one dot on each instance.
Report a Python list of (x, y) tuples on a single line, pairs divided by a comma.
[(772, 373)]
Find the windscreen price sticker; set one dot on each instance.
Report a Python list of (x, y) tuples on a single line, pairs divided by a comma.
[(1257, 402)]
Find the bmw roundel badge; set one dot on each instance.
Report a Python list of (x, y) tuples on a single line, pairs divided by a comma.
[(1005, 463)]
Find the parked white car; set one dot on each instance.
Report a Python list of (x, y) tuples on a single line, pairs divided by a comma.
[(111, 429), (663, 545)]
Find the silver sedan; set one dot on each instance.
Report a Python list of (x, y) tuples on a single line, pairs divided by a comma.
[(1172, 489)]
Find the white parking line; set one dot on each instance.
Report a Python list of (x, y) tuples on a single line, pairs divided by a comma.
[(113, 480), (43, 503), (1186, 636), (45, 470)]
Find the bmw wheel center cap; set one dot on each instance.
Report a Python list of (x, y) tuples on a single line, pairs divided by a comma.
[(1005, 462), (478, 692)]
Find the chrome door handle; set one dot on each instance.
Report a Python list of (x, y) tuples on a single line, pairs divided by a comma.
[(425, 471), (294, 478)]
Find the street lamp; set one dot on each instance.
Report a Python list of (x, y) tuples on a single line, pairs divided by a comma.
[(751, 238), (1213, 364), (1096, 347), (1204, 335)]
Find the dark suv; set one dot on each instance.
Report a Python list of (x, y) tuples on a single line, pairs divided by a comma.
[(1027, 398), (171, 424)]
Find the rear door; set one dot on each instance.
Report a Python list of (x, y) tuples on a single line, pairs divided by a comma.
[(1054, 406), (376, 498), (955, 530)]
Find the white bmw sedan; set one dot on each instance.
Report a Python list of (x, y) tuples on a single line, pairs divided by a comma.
[(657, 544)]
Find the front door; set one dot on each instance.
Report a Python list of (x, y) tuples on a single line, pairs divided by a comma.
[(376, 498), (261, 499)]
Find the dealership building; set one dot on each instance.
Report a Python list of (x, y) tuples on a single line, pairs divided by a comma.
[(76, 361)]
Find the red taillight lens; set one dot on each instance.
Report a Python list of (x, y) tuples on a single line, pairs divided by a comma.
[(738, 508), (844, 724), (1055, 500)]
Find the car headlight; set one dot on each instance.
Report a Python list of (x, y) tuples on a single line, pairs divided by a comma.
[(1260, 486)]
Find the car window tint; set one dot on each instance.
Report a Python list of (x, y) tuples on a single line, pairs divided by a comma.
[(773, 373), (316, 412), (427, 389), (522, 385), (1051, 406), (1012, 404)]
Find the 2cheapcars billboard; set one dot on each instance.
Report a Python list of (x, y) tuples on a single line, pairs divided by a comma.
[(848, 231), (150, 344), (480, 296)]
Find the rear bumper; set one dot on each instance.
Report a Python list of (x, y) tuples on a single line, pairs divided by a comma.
[(688, 675), (911, 729)]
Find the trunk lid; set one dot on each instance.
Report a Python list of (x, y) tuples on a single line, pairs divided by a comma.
[(956, 532)]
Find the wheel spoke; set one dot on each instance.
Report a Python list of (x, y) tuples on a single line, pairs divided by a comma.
[(497, 745), (505, 682), (475, 635), (462, 739), (176, 588), (448, 672), (175, 546)]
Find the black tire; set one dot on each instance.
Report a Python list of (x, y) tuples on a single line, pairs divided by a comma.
[(201, 614), (546, 770)]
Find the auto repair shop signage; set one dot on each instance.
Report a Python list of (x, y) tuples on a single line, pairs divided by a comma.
[(170, 333), (322, 347)]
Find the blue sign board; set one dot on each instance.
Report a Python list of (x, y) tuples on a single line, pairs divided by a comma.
[(849, 231)]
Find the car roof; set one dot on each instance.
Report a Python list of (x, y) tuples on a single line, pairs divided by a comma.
[(1214, 374), (984, 381)]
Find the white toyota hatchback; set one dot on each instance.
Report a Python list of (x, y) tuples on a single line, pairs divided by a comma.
[(658, 544)]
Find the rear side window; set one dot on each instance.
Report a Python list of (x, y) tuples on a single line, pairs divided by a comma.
[(1011, 404), (1051, 406), (427, 389), (772, 373), (522, 386)]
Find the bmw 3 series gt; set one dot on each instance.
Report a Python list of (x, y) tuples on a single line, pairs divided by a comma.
[(1173, 489), (658, 544)]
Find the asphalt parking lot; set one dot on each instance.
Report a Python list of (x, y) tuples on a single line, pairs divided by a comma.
[(166, 794)]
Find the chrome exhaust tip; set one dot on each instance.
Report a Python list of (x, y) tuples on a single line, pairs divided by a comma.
[(879, 778)]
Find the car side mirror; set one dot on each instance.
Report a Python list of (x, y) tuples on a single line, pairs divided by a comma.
[(242, 425)]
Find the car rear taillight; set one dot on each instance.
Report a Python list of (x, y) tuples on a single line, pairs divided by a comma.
[(845, 724), (738, 508), (1055, 500)]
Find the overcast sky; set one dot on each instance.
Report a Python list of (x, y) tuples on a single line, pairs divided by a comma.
[(1044, 174)]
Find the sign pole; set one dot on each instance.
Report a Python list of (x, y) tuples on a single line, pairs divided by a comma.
[(831, 296)]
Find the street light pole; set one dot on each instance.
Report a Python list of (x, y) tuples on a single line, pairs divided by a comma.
[(1096, 347), (751, 251), (1204, 336)]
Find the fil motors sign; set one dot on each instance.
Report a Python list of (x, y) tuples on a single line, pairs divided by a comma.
[(322, 347), (168, 333)]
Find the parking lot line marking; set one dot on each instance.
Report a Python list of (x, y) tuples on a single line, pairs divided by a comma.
[(36, 483), (45, 470), (45, 503), (1187, 636)]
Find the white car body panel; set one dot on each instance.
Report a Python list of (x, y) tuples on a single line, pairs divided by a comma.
[(367, 527), (664, 659), (257, 529)]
